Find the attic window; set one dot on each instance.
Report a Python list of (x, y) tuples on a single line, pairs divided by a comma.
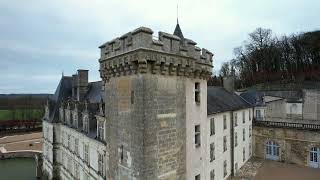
[(197, 92)]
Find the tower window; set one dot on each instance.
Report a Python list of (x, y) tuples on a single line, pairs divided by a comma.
[(121, 153), (197, 92), (132, 97), (197, 135)]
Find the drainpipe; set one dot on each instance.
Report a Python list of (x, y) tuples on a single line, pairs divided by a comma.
[(232, 143)]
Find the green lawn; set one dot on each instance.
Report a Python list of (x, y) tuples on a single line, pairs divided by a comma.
[(21, 114), (5, 114)]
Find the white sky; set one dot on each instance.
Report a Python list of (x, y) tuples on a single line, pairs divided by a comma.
[(40, 39)]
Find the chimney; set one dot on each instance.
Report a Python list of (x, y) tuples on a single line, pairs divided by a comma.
[(228, 83), (82, 84), (74, 86)]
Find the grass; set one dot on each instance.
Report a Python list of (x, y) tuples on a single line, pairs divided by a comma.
[(5, 114), (21, 114)]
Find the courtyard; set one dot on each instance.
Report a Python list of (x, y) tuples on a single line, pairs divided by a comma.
[(257, 169)]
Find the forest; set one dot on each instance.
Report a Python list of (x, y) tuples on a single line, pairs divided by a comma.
[(22, 106), (265, 58)]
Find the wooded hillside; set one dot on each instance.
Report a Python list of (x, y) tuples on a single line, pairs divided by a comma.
[(265, 58)]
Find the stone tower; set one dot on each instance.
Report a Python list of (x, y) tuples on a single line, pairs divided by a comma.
[(153, 87)]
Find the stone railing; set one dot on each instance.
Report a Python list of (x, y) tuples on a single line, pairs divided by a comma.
[(287, 125)]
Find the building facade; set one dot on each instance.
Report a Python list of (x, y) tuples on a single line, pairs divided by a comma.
[(74, 130), (151, 117), (289, 131)]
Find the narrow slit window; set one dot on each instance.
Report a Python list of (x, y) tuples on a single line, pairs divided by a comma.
[(197, 136), (197, 92)]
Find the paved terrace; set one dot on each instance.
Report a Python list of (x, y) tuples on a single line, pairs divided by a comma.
[(257, 169), (31, 142)]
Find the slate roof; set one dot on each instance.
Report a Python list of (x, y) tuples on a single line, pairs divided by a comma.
[(64, 92), (64, 89), (178, 32), (95, 94), (221, 100), (253, 97)]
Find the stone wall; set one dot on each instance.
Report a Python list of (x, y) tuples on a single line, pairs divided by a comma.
[(294, 144), (146, 127), (311, 106), (146, 80), (276, 109)]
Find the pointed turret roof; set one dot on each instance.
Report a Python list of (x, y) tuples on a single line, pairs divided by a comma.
[(178, 32)]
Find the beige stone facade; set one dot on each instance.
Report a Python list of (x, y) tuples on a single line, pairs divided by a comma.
[(295, 145)]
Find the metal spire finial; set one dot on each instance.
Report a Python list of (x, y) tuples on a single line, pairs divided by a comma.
[(177, 13)]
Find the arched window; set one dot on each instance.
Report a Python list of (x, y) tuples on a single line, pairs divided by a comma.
[(314, 157), (293, 109), (272, 150)]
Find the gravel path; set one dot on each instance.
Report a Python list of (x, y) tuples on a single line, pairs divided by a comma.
[(30, 141)]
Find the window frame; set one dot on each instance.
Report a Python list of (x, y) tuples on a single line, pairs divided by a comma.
[(225, 148), (212, 152), (212, 127), (243, 134), (197, 92), (235, 119), (243, 117), (235, 139), (197, 135), (224, 122)]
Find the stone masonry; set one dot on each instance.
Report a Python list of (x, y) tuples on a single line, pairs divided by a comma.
[(145, 82), (294, 144)]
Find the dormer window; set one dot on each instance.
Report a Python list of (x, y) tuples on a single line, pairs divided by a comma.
[(75, 118), (61, 114), (67, 117), (100, 130), (101, 164), (86, 123), (197, 92)]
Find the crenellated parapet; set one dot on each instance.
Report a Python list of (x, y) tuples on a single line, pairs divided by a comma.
[(139, 52)]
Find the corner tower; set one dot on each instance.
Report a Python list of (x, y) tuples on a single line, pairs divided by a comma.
[(153, 88)]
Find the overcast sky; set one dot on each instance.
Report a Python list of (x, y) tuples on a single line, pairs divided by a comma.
[(40, 39)]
